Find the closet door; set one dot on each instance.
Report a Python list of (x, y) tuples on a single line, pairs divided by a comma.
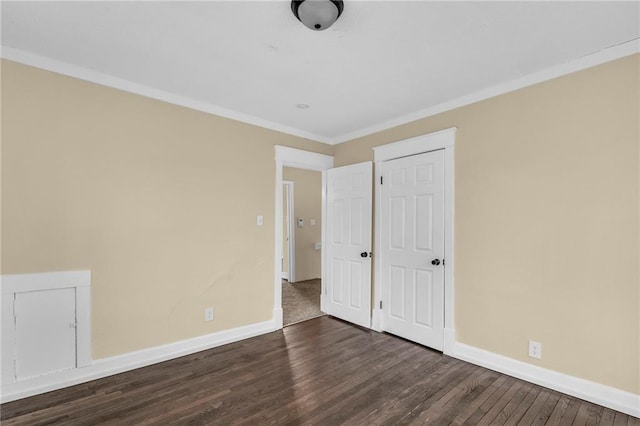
[(413, 248)]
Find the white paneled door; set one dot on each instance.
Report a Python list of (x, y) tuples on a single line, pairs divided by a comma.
[(348, 243), (413, 248)]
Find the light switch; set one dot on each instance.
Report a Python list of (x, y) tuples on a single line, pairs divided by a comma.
[(260, 220)]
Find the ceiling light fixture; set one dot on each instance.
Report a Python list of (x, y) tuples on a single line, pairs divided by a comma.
[(302, 106), (317, 15)]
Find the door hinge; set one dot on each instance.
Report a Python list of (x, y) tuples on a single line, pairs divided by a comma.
[(380, 180), (442, 262), (381, 304)]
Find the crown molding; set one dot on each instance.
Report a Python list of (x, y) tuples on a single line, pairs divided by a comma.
[(64, 68), (591, 60)]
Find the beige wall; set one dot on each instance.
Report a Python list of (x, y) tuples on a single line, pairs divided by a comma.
[(158, 201), (546, 220), (307, 204)]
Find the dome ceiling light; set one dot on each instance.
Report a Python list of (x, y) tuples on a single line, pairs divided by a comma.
[(317, 15)]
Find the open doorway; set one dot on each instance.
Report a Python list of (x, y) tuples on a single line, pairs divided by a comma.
[(301, 244), (297, 158)]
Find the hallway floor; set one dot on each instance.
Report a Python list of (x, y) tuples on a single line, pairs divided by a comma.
[(300, 301)]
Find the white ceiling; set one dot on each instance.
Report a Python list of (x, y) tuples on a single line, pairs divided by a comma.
[(380, 62)]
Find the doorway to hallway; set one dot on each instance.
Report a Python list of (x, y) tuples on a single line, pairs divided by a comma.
[(302, 244), (300, 301)]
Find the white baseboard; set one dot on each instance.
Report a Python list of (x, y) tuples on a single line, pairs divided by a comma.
[(606, 396), (278, 318), (130, 361), (449, 345)]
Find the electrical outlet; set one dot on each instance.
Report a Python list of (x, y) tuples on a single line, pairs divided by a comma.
[(535, 349), (260, 220), (208, 314)]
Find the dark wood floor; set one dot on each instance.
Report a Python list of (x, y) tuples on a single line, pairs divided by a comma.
[(321, 371)]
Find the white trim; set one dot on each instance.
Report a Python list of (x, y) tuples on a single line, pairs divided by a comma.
[(132, 360), (292, 157), (291, 261), (591, 60), (80, 281), (443, 139), (300, 159), (323, 239), (19, 283), (449, 238), (423, 143), (71, 70), (83, 326), (597, 393)]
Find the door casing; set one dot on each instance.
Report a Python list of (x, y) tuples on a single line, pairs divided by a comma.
[(444, 139), (292, 157), (291, 243)]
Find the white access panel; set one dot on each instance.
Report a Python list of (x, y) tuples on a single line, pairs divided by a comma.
[(45, 332)]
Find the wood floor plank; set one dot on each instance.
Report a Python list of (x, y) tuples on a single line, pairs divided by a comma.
[(486, 406), (538, 404), (475, 404), (560, 409), (453, 395), (547, 409), (498, 406), (395, 402), (323, 371), (588, 414), (524, 405), (425, 393), (510, 409), (608, 417), (472, 392), (570, 413)]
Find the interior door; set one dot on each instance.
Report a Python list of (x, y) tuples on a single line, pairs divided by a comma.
[(348, 241), (45, 330), (413, 248)]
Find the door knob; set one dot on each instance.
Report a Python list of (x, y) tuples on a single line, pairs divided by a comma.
[(435, 262), (364, 254)]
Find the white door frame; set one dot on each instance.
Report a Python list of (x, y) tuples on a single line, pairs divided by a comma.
[(291, 157), (444, 139), (291, 260)]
